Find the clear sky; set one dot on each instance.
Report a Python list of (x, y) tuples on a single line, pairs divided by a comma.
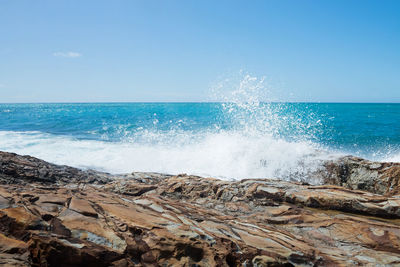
[(67, 51)]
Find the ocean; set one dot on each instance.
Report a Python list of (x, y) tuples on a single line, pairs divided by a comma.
[(228, 140)]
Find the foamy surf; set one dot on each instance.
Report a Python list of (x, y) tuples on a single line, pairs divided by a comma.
[(392, 158), (226, 155), (240, 135)]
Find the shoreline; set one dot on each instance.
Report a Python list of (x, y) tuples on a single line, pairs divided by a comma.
[(52, 214)]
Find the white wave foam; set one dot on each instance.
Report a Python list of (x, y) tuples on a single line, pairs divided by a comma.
[(392, 158), (226, 155), (253, 147)]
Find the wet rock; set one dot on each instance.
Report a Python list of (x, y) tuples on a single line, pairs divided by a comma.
[(361, 174), (24, 169)]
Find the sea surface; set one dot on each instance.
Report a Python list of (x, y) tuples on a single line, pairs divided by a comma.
[(230, 140)]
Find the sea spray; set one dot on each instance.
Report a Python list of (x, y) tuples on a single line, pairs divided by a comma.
[(278, 138), (243, 135)]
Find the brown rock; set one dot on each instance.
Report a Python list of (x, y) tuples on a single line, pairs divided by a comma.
[(25, 169), (160, 220), (356, 173), (82, 206)]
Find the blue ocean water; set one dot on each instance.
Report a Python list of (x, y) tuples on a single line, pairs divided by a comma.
[(229, 140)]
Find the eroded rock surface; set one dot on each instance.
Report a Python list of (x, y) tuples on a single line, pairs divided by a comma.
[(24, 169), (149, 219), (357, 173)]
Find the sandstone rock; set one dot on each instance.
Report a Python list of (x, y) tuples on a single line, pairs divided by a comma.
[(361, 174), (24, 169), (161, 220), (266, 261), (82, 206)]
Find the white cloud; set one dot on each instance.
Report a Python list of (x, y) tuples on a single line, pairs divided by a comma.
[(2, 85), (67, 54)]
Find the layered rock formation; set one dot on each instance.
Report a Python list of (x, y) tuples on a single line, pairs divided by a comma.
[(361, 174), (60, 216)]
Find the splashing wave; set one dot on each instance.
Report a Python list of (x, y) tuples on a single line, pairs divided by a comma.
[(252, 138)]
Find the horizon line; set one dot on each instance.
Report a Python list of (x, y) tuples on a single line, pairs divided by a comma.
[(192, 102)]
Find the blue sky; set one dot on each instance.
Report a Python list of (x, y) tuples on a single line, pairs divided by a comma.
[(67, 51)]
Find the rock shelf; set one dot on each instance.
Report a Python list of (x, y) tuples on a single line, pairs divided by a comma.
[(54, 215)]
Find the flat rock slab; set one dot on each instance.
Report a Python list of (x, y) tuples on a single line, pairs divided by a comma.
[(82, 206)]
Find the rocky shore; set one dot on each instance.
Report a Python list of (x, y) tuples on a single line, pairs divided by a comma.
[(54, 215)]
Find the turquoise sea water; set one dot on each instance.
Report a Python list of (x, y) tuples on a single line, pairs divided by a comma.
[(230, 140)]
